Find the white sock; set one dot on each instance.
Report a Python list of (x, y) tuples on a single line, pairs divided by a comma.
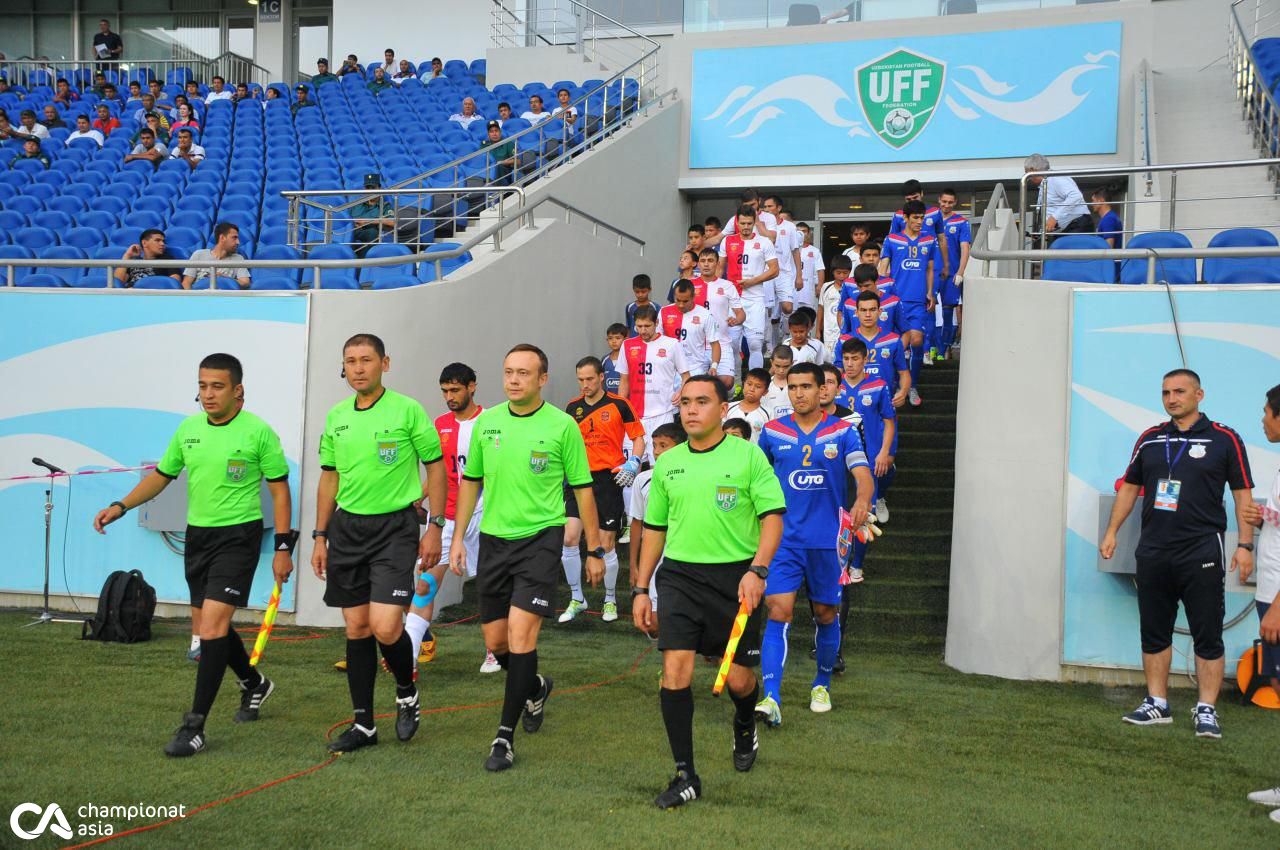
[(572, 560), (195, 642), (1200, 705), (416, 627), (610, 575), (1160, 702)]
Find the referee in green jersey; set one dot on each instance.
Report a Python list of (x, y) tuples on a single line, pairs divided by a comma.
[(521, 453), (226, 451), (367, 530), (715, 518)]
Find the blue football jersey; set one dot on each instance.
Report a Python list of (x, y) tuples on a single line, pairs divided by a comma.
[(888, 314), (814, 470), (955, 230), (612, 378), (872, 400), (885, 358), (932, 222), (909, 261)]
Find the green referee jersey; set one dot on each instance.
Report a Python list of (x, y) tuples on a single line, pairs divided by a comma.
[(523, 461), (710, 502), (225, 466), (375, 452)]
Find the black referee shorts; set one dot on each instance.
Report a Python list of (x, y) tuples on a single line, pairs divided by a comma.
[(1194, 575), (609, 509), (699, 604), (220, 562), (371, 558), (519, 573)]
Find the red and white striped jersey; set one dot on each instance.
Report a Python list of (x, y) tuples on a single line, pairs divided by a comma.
[(695, 331), (455, 439), (653, 371)]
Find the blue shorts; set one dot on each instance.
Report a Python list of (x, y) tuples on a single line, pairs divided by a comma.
[(949, 293), (1270, 654), (817, 569), (913, 316)]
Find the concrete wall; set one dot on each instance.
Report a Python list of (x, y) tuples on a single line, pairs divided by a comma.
[(1005, 616), (415, 29)]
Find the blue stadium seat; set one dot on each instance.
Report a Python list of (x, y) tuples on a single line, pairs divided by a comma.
[(269, 279), (11, 220), (1080, 271), (368, 273), (220, 283), (1217, 268), (157, 282), (331, 278), (86, 192), (125, 236), (45, 280), (280, 252), (96, 279), (26, 205), (1257, 273), (184, 236), (158, 204), (63, 252), (86, 239), (15, 252), (112, 204), (36, 238), (144, 219), (1167, 270)]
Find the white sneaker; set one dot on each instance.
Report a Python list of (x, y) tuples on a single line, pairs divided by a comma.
[(913, 396), (1269, 797), (855, 575), (819, 700), (610, 612), (1275, 815), (575, 608), (882, 512), (490, 664)]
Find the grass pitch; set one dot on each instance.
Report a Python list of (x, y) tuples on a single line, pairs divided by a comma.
[(913, 755)]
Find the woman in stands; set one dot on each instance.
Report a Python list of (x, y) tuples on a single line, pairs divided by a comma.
[(186, 118)]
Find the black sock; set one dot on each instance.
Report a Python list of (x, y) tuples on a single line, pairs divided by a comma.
[(677, 714), (535, 684), (521, 680), (213, 663), (399, 657), (238, 661), (744, 707), (362, 668), (503, 659)]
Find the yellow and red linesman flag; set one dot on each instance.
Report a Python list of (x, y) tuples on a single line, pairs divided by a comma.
[(264, 633), (739, 626)]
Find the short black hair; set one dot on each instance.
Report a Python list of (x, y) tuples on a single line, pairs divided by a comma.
[(616, 329), (504, 103), (722, 392), (832, 369), (671, 431), (715, 255), (370, 340), (911, 186), (646, 312), (799, 317), (561, 89), (869, 246), (1273, 400), (948, 191), (733, 423), (813, 370), (859, 225), (62, 81), (225, 362), (749, 212), (853, 345), (457, 373), (223, 228), (865, 272), (641, 281), (684, 286), (868, 295), (911, 208), (593, 362), (217, 77), (149, 232), (146, 131), (543, 364), (698, 229), (777, 199), (841, 262), (1188, 373), (748, 195), (810, 313), (713, 221), (760, 374), (782, 352)]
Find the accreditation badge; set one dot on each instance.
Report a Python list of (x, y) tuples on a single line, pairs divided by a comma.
[(1167, 490)]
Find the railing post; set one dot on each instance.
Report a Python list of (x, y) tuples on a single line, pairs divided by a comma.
[(1173, 199), (295, 208), (1151, 267), (315, 281)]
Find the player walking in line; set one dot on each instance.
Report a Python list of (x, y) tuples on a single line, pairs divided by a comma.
[(909, 259), (725, 305), (750, 262), (652, 368), (693, 326), (957, 236)]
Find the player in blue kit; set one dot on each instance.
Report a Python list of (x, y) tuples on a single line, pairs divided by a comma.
[(885, 358), (812, 454), (957, 236), (865, 279), (912, 190), (869, 398), (908, 258)]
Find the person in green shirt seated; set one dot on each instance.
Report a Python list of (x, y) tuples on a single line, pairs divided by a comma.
[(379, 83), (502, 154), (322, 75)]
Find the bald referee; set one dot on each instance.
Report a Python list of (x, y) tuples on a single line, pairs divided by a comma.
[(521, 453), (716, 508), (366, 535), (227, 452)]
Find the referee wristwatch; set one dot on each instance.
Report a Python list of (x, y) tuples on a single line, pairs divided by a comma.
[(438, 520), (1248, 547), (597, 552), (639, 591), (318, 533), (761, 572)]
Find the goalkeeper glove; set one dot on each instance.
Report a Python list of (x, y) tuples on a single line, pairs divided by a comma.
[(627, 472)]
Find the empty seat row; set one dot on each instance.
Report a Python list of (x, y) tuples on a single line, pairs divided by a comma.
[(1216, 270)]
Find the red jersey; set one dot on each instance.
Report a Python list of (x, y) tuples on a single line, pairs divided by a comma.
[(733, 259), (455, 440)]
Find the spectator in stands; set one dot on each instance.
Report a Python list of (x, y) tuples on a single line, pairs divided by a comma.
[(243, 93), (302, 99), (179, 101), (406, 72), (271, 93), (4, 87), (217, 90), (468, 115), (437, 68), (148, 148), (30, 127), (157, 129), (504, 114), (192, 93), (106, 44), (110, 93), (135, 92), (1062, 206), (371, 216), (64, 93), (30, 150), (1109, 226), (535, 114), (52, 120), (185, 119), (226, 246), (8, 131), (99, 86), (351, 65), (164, 105), (379, 83), (84, 130), (502, 154), (322, 74), (389, 62), (187, 149), (150, 247), (105, 122), (564, 110), (148, 108)]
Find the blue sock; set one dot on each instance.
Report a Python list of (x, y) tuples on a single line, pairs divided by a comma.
[(828, 646), (948, 327), (917, 359), (859, 553), (773, 657)]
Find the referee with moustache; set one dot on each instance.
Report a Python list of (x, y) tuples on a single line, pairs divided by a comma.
[(715, 518), (366, 535), (227, 452), (521, 453)]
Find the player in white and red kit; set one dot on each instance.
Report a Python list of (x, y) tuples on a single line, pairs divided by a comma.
[(694, 327), (652, 369), (725, 305), (750, 262), (458, 386)]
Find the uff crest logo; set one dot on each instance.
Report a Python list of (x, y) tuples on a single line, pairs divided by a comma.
[(538, 462), (726, 498), (388, 451), (899, 93), (237, 468)]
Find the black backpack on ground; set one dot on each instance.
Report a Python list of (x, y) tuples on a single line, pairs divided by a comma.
[(125, 608)]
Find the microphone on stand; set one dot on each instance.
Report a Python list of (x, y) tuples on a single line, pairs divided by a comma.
[(45, 464)]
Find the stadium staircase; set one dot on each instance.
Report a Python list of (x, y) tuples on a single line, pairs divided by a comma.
[(902, 604)]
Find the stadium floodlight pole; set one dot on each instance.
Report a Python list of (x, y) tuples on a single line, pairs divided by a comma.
[(46, 616)]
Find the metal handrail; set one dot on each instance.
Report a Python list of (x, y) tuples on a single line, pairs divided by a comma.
[(1144, 90), (436, 257), (202, 68), (1260, 109)]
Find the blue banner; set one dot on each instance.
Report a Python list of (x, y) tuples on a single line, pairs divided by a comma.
[(1053, 90), (1123, 343), (101, 380)]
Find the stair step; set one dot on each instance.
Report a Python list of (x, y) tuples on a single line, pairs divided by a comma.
[(929, 594), (915, 422), (885, 622), (912, 519), (918, 472)]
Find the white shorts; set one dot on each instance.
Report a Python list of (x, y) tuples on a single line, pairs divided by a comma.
[(757, 316), (471, 541)]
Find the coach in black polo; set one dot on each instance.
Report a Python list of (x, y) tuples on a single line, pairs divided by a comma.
[(1181, 467)]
